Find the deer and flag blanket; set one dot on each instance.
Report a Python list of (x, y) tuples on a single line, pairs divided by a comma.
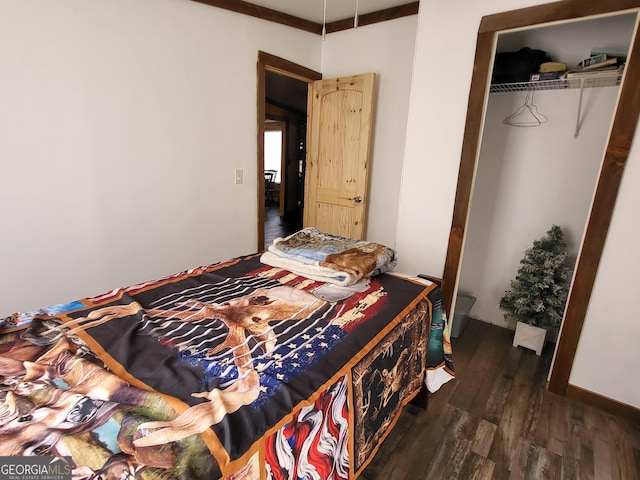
[(237, 370)]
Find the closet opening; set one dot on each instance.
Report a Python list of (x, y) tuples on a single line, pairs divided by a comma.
[(532, 170), (535, 171)]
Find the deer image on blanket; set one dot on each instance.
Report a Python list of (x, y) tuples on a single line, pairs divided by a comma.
[(50, 392), (251, 314)]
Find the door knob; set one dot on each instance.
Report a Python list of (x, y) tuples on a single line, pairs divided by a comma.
[(357, 199)]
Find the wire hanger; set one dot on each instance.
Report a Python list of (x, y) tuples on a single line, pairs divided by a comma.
[(527, 114)]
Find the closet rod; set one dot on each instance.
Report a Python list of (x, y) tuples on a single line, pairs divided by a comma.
[(605, 80)]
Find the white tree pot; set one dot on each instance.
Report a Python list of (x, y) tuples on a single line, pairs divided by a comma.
[(530, 337)]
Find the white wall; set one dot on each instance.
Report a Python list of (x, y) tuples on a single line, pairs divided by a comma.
[(121, 124), (445, 49), (387, 49), (438, 106), (608, 355)]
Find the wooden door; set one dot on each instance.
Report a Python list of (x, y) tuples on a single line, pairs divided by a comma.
[(340, 116)]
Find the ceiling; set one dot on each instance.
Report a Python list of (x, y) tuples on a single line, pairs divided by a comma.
[(336, 9)]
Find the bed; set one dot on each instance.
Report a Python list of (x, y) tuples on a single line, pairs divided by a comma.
[(236, 370)]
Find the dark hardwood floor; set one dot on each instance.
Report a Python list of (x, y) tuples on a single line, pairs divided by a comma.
[(497, 420), (276, 226)]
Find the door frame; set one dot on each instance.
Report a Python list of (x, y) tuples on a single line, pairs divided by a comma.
[(268, 62), (625, 119)]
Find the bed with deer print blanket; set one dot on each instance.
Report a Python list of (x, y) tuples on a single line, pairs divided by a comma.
[(236, 370)]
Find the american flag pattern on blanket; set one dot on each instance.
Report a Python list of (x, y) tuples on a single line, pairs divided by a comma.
[(314, 444)]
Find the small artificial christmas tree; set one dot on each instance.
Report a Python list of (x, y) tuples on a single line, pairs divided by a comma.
[(539, 292)]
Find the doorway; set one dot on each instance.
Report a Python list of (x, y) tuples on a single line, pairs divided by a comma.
[(280, 219), (625, 119), (528, 179), (282, 98)]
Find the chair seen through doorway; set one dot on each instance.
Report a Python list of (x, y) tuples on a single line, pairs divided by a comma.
[(269, 191)]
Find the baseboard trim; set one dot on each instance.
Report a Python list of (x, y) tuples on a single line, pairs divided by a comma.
[(604, 403)]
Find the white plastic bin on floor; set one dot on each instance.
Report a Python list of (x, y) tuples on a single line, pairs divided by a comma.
[(464, 303)]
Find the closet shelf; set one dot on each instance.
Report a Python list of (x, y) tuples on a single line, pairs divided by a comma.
[(586, 81)]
